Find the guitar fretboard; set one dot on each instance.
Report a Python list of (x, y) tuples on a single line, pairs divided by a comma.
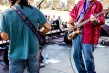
[(82, 23)]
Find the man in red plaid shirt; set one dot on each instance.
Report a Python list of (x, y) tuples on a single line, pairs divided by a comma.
[(85, 41)]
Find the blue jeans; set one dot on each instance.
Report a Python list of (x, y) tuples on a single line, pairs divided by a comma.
[(87, 49), (18, 65)]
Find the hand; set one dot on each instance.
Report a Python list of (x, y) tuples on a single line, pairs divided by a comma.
[(78, 31), (70, 27), (94, 19), (44, 30), (4, 36)]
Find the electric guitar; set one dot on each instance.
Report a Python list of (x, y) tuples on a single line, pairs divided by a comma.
[(71, 35)]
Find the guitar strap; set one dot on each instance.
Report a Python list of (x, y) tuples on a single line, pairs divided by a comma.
[(29, 24), (88, 9)]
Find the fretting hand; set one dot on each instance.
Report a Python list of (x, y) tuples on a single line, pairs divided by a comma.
[(94, 19)]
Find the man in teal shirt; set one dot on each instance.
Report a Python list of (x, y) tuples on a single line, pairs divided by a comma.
[(24, 45)]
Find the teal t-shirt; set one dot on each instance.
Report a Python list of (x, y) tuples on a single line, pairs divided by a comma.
[(23, 42)]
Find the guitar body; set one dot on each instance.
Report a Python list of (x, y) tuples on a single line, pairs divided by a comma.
[(42, 38), (71, 35), (74, 33), (5, 57), (66, 40), (42, 32)]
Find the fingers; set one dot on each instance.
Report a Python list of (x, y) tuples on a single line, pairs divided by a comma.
[(78, 31), (92, 18), (70, 27)]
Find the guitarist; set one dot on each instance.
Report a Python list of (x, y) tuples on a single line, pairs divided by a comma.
[(24, 44), (88, 36)]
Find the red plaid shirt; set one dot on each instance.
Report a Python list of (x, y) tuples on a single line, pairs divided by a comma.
[(91, 32)]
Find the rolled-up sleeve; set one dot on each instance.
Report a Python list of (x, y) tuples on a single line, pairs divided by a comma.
[(73, 12), (42, 18)]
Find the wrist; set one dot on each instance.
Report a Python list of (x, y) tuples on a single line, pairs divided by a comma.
[(96, 21)]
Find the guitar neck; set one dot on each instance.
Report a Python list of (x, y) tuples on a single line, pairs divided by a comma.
[(82, 23)]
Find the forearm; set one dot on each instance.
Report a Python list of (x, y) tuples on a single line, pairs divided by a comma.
[(44, 30), (97, 21)]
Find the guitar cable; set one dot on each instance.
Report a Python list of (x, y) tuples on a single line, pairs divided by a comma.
[(71, 60)]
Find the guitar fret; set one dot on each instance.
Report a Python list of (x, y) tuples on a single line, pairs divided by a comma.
[(82, 23)]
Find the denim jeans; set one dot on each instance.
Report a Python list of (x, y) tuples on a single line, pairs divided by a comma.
[(87, 50), (18, 65)]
